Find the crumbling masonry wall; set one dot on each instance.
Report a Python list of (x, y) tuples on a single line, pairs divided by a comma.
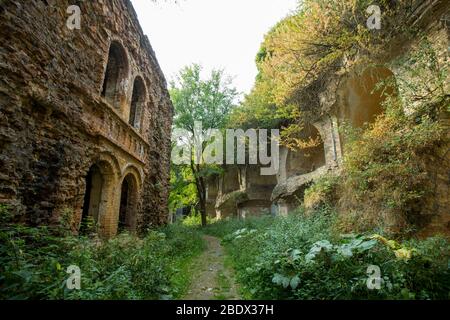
[(56, 121), (352, 98)]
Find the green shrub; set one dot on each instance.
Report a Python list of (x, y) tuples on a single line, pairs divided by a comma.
[(195, 220), (387, 166), (33, 263), (321, 193), (302, 257), (227, 226)]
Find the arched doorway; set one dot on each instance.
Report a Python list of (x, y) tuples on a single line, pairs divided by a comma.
[(128, 204), (258, 189), (92, 198), (116, 71), (99, 201)]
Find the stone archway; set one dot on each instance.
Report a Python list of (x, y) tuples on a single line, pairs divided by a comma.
[(99, 200), (128, 204), (229, 188), (258, 189), (92, 197), (299, 167)]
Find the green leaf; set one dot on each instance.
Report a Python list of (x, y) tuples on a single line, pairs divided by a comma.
[(367, 245), (277, 278), (296, 254), (295, 281), (318, 247)]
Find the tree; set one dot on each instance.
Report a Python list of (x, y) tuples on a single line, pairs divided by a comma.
[(208, 101), (183, 190)]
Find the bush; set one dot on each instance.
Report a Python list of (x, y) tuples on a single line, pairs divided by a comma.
[(386, 180), (33, 263), (195, 220), (321, 193), (227, 226), (302, 257)]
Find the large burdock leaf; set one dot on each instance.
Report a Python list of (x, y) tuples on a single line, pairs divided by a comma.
[(366, 245), (281, 280), (295, 282), (318, 247), (345, 251)]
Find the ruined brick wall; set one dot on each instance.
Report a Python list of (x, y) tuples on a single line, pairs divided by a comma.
[(54, 123), (351, 96)]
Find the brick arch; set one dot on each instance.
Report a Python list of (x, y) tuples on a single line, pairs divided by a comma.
[(112, 161), (100, 200), (132, 169), (130, 190), (139, 99), (116, 74)]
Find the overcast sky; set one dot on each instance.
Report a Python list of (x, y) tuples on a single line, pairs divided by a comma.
[(215, 33)]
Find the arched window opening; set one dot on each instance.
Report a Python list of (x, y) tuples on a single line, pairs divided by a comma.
[(116, 72), (137, 102), (128, 204), (258, 189)]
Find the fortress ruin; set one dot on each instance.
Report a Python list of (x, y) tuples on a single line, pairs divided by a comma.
[(348, 97), (85, 117)]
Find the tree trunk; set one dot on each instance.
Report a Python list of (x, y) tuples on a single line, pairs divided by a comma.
[(201, 192), (203, 213), (202, 199)]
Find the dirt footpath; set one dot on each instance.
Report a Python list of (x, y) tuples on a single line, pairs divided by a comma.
[(212, 279)]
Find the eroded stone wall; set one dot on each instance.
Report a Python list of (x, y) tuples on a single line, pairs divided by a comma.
[(353, 96), (55, 124), (435, 213)]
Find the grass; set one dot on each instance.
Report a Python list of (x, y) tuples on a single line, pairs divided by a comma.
[(183, 275), (223, 282)]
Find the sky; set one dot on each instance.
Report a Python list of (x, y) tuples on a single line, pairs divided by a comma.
[(218, 34)]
